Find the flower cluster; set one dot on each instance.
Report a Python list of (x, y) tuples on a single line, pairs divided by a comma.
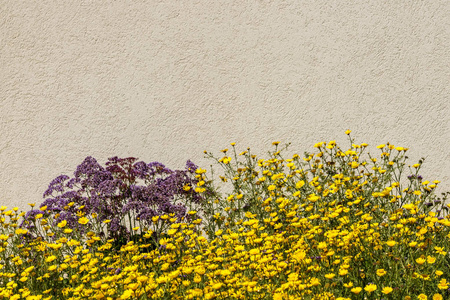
[(125, 194), (329, 225)]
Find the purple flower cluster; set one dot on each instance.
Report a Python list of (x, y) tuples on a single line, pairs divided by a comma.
[(411, 177), (125, 187)]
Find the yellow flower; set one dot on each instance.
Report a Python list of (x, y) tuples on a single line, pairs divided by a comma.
[(254, 251), (422, 297), (62, 223), (171, 231), (347, 132), (200, 270), (199, 190), (420, 260), (83, 220), (217, 286), (431, 260), (226, 160), (437, 297), (52, 268), (239, 248), (50, 258), (356, 290), (412, 244), (200, 171), (127, 294), (348, 285), (330, 275), (21, 231), (440, 250), (322, 245), (386, 290), (443, 284), (299, 184), (271, 187), (391, 243), (315, 281), (370, 288), (278, 296), (381, 272), (165, 266), (343, 272)]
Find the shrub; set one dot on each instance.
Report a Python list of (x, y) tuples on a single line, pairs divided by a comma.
[(111, 201), (330, 177)]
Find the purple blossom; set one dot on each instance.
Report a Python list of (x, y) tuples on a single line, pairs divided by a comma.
[(191, 167), (124, 187), (57, 185)]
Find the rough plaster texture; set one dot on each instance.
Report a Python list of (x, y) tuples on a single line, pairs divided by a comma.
[(165, 80)]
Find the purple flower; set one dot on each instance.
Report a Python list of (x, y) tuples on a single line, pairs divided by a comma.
[(57, 184), (125, 187), (191, 167)]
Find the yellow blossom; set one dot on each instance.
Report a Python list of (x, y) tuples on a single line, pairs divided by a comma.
[(391, 243), (83, 220), (443, 284), (370, 288), (420, 260), (62, 224)]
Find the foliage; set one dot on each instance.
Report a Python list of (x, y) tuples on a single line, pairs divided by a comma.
[(329, 225)]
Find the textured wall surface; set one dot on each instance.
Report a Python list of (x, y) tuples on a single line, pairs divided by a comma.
[(165, 80)]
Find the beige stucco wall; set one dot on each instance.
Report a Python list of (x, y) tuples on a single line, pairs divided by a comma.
[(165, 80)]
